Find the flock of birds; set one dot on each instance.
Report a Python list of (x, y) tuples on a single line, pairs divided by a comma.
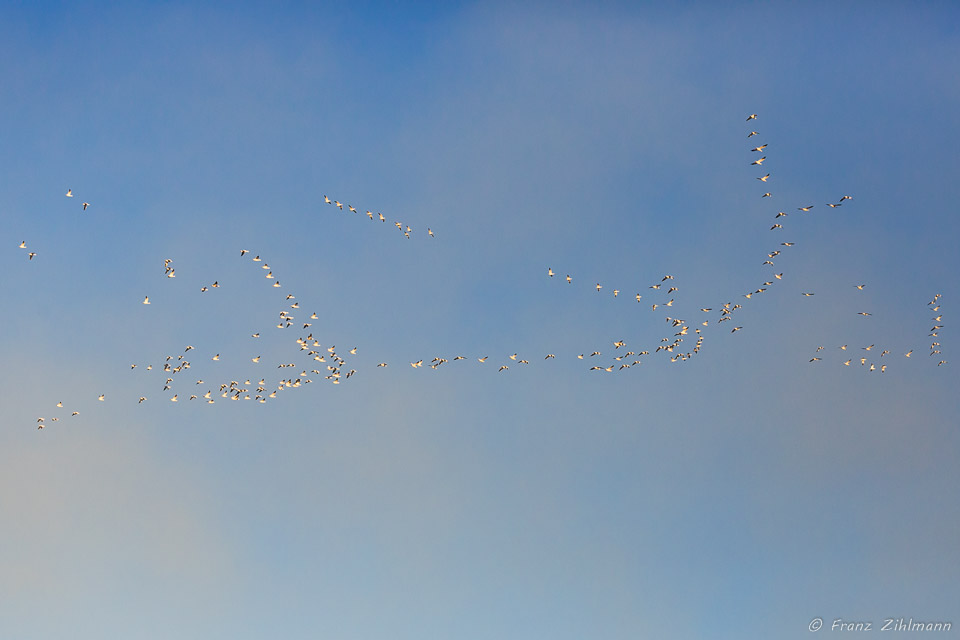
[(328, 364), (404, 229)]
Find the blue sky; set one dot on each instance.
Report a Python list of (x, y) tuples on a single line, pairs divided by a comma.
[(743, 491)]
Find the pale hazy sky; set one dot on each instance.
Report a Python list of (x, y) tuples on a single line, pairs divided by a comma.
[(738, 494)]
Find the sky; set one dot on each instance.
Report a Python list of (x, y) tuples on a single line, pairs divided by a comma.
[(733, 489)]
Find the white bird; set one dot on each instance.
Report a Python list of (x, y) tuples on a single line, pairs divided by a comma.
[(752, 116), (146, 299), (759, 161), (85, 205), (69, 193)]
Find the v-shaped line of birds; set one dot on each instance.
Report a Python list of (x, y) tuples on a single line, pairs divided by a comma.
[(174, 367)]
